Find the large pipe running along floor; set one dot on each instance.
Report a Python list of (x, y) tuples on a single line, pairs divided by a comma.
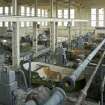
[(76, 74), (85, 89)]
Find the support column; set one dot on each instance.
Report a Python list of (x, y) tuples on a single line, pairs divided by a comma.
[(80, 23), (25, 14), (56, 24), (97, 18), (52, 31), (9, 23), (69, 27), (53, 37), (104, 17), (35, 32), (97, 24), (15, 39), (3, 14)]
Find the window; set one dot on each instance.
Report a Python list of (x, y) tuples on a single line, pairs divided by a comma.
[(22, 11), (6, 24), (97, 12), (1, 13), (22, 24), (72, 13), (93, 17), (1, 10), (65, 16), (72, 16), (1, 24), (46, 13), (60, 15), (42, 15), (6, 10), (101, 17), (39, 12), (22, 14), (28, 11), (42, 12), (42, 23), (28, 24), (6, 13), (33, 12)]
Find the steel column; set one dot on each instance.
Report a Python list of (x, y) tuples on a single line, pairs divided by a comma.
[(9, 24), (52, 30), (3, 14), (15, 38), (35, 31), (56, 24), (69, 26)]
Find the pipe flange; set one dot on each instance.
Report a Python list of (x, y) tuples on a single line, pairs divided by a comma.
[(70, 80)]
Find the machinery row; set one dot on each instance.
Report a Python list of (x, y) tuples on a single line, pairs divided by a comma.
[(70, 78)]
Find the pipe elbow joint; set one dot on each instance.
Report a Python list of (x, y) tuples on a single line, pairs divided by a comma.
[(70, 80)]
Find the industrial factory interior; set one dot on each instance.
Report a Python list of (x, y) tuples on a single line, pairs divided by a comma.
[(52, 52)]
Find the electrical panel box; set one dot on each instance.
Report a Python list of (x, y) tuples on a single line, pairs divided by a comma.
[(7, 86)]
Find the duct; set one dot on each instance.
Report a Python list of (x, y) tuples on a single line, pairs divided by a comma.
[(84, 91), (57, 97), (72, 78)]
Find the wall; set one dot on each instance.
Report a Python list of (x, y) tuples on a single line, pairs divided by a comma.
[(80, 13)]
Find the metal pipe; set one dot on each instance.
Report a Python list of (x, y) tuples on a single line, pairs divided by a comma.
[(31, 102), (51, 4), (85, 89), (57, 98), (102, 91), (29, 78), (15, 38), (72, 78), (24, 78), (69, 26), (35, 30)]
